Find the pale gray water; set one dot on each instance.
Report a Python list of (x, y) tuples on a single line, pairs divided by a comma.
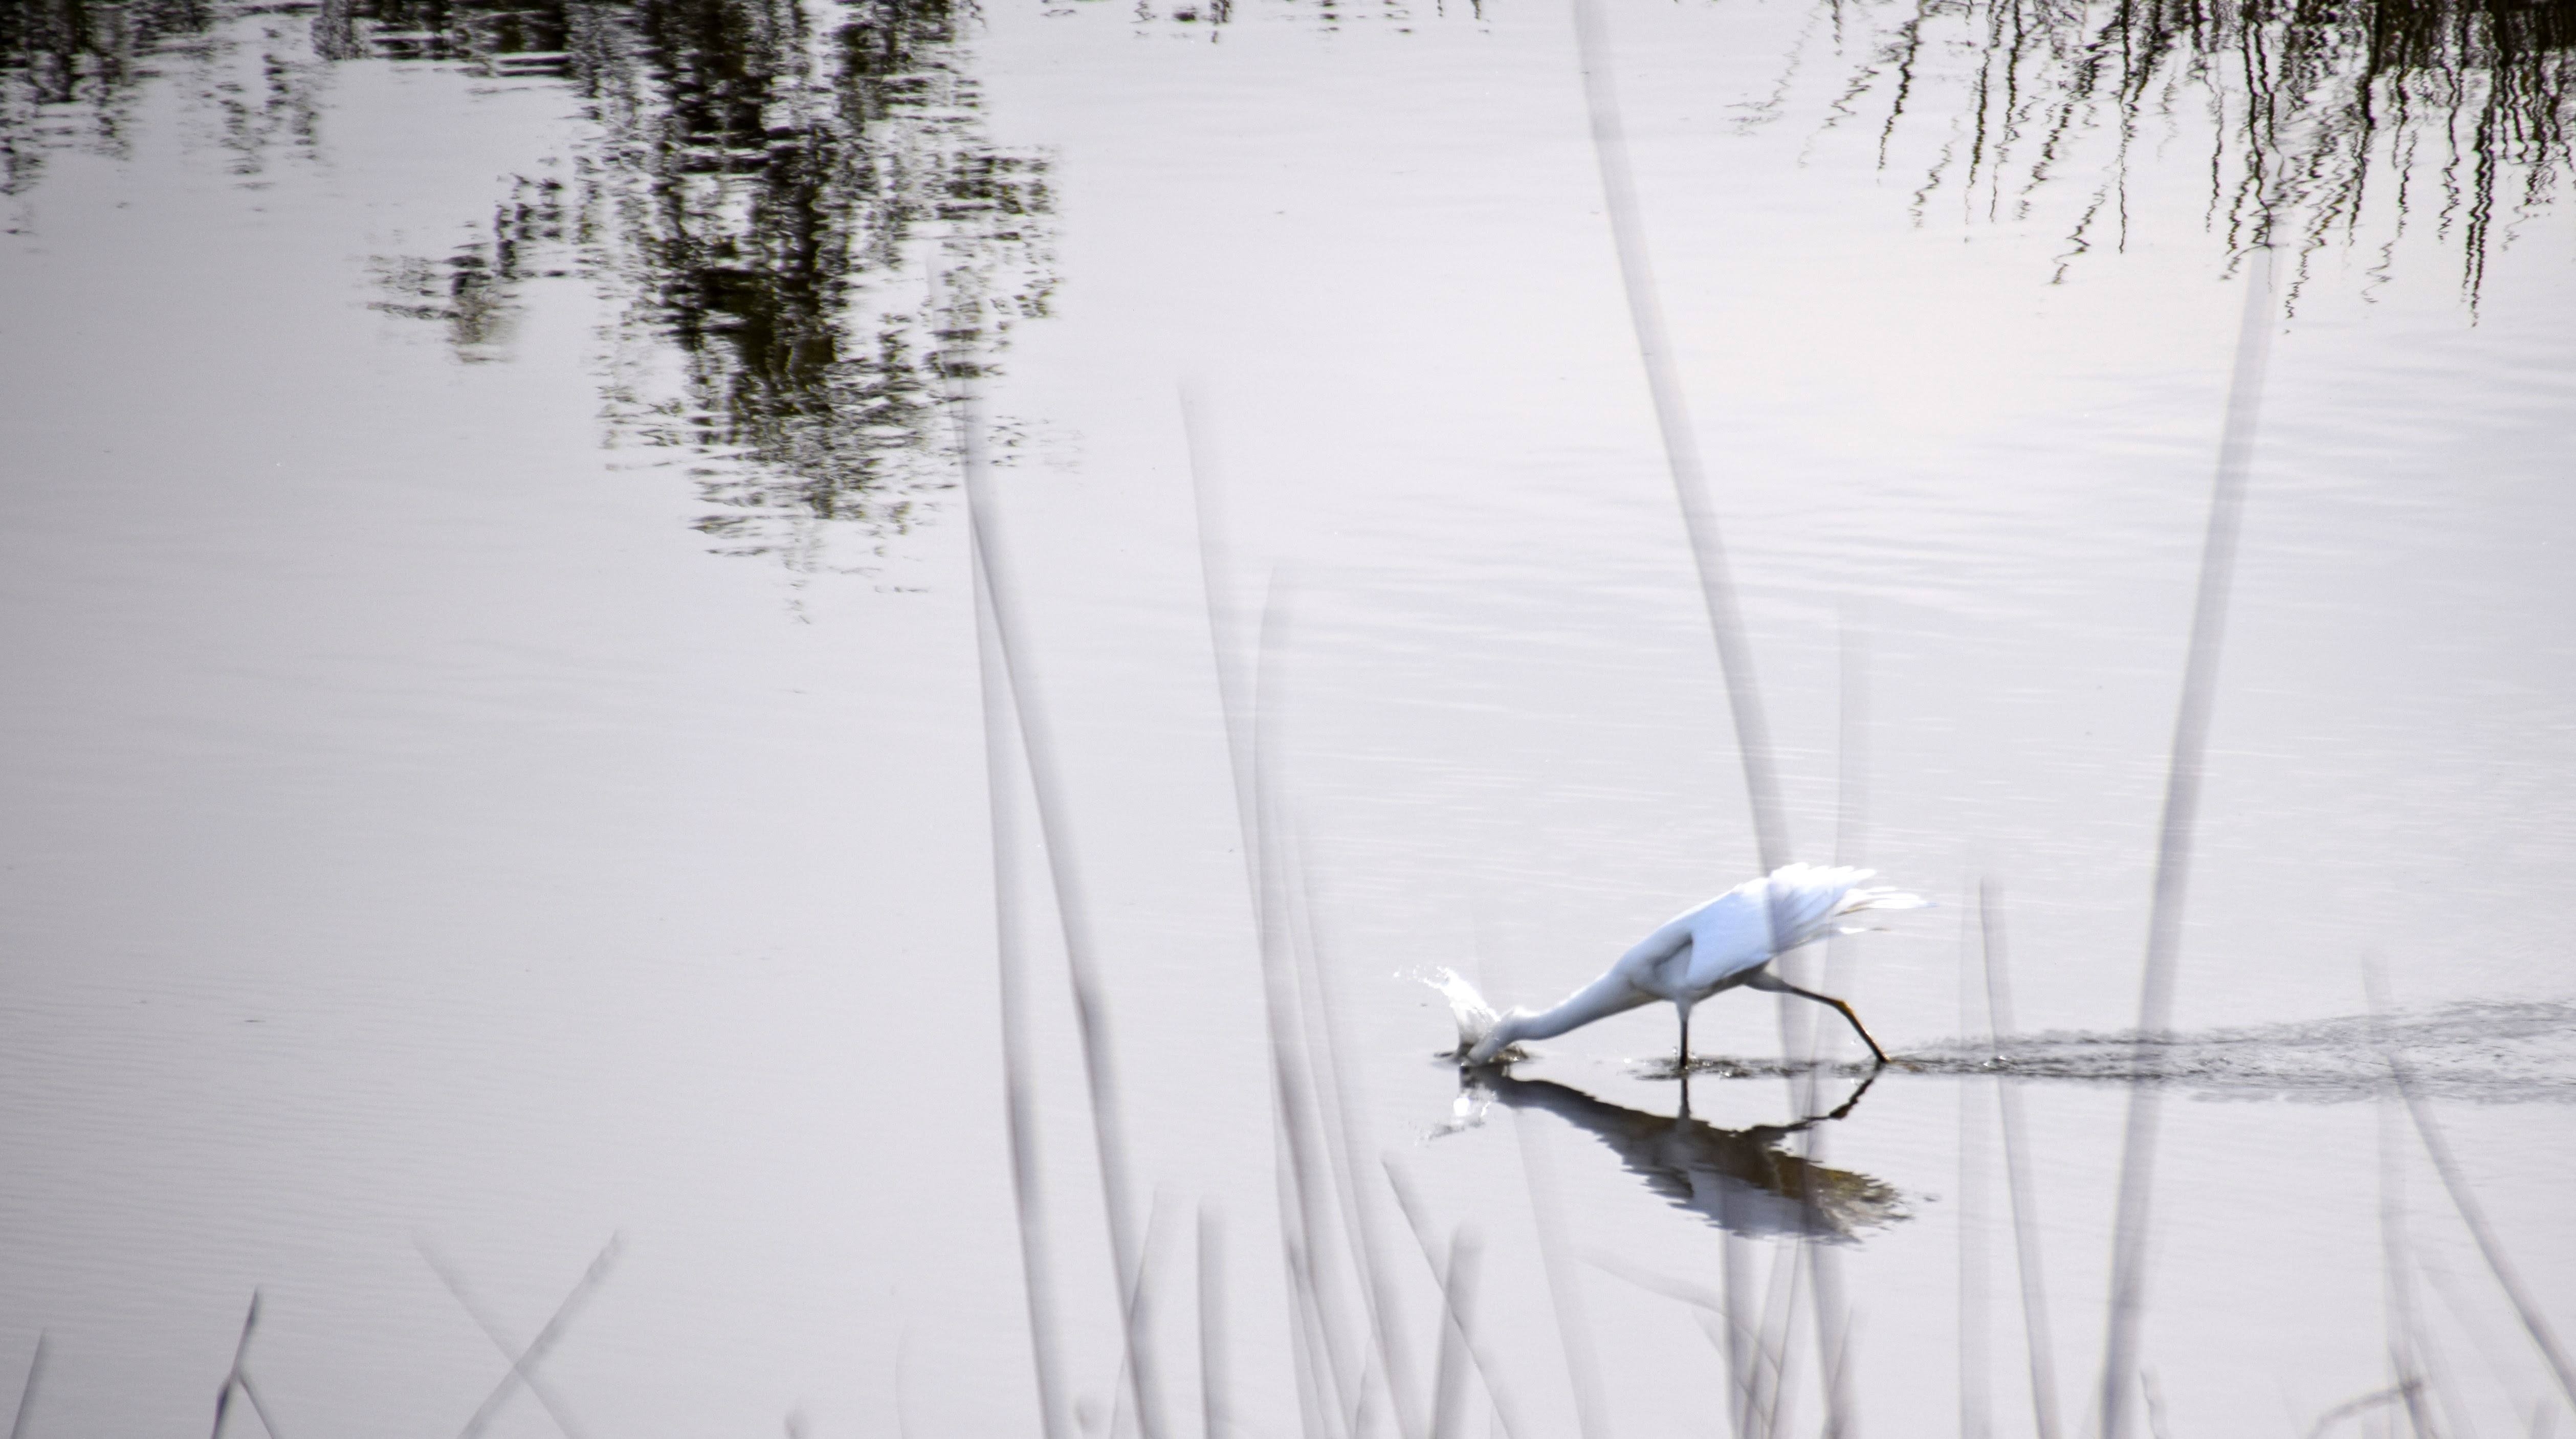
[(462, 795)]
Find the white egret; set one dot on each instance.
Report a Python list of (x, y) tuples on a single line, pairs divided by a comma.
[(1709, 948)]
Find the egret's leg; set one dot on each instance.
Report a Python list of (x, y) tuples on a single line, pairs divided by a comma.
[(1774, 983), (1683, 1064)]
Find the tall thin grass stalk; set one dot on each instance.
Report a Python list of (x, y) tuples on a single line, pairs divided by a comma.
[(2039, 1335), (1457, 1306), (1247, 697), (1292, 1100), (2397, 1289), (1564, 1286), (1306, 1360), (27, 1390), (1779, 1317), (1976, 1368), (1216, 1392), (2473, 1216), (1449, 1384), (1019, 1099), (1833, 1327), (1341, 1113), (1073, 913), (1225, 640), (1851, 815), (1140, 1296), (1681, 444), (1744, 1354), (2130, 1229), (523, 1361), (1304, 1108), (237, 1379)]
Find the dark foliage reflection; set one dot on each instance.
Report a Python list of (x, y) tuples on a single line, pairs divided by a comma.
[(768, 191), (2321, 117), (1744, 1181)]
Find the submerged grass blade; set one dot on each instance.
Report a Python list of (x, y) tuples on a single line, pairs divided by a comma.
[(2173, 852)]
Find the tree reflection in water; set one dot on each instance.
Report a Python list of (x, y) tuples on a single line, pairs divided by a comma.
[(1740, 1180), (763, 201), (2325, 119)]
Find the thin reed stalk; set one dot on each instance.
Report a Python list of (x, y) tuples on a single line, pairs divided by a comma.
[(2508, 1275), (2173, 852), (1823, 1262), (237, 1379), (1681, 444), (1455, 1305), (523, 1361), (1297, 1085), (27, 1389), (1140, 1297), (1073, 914), (1976, 1370), (2397, 1289), (1019, 1100), (2038, 1334), (1216, 1392), (1564, 1286), (1449, 1384), (1303, 1113), (1743, 1345), (1779, 1316), (1340, 1112)]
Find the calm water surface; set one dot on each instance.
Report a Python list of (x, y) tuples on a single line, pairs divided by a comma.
[(497, 846)]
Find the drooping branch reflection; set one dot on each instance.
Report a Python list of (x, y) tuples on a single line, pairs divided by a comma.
[(759, 202), (1745, 1181), (2320, 118), (763, 204)]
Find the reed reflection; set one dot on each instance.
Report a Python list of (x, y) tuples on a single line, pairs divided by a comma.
[(2324, 121), (1744, 1181)]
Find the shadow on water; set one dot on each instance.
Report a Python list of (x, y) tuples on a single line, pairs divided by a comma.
[(761, 196), (2322, 119), (1741, 1180)]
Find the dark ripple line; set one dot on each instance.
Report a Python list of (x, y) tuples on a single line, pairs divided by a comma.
[(2483, 1052)]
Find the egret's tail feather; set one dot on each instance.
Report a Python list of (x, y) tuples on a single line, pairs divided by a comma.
[(1806, 899), (1881, 896)]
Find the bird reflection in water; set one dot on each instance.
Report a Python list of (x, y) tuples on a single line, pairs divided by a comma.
[(1744, 1181)]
